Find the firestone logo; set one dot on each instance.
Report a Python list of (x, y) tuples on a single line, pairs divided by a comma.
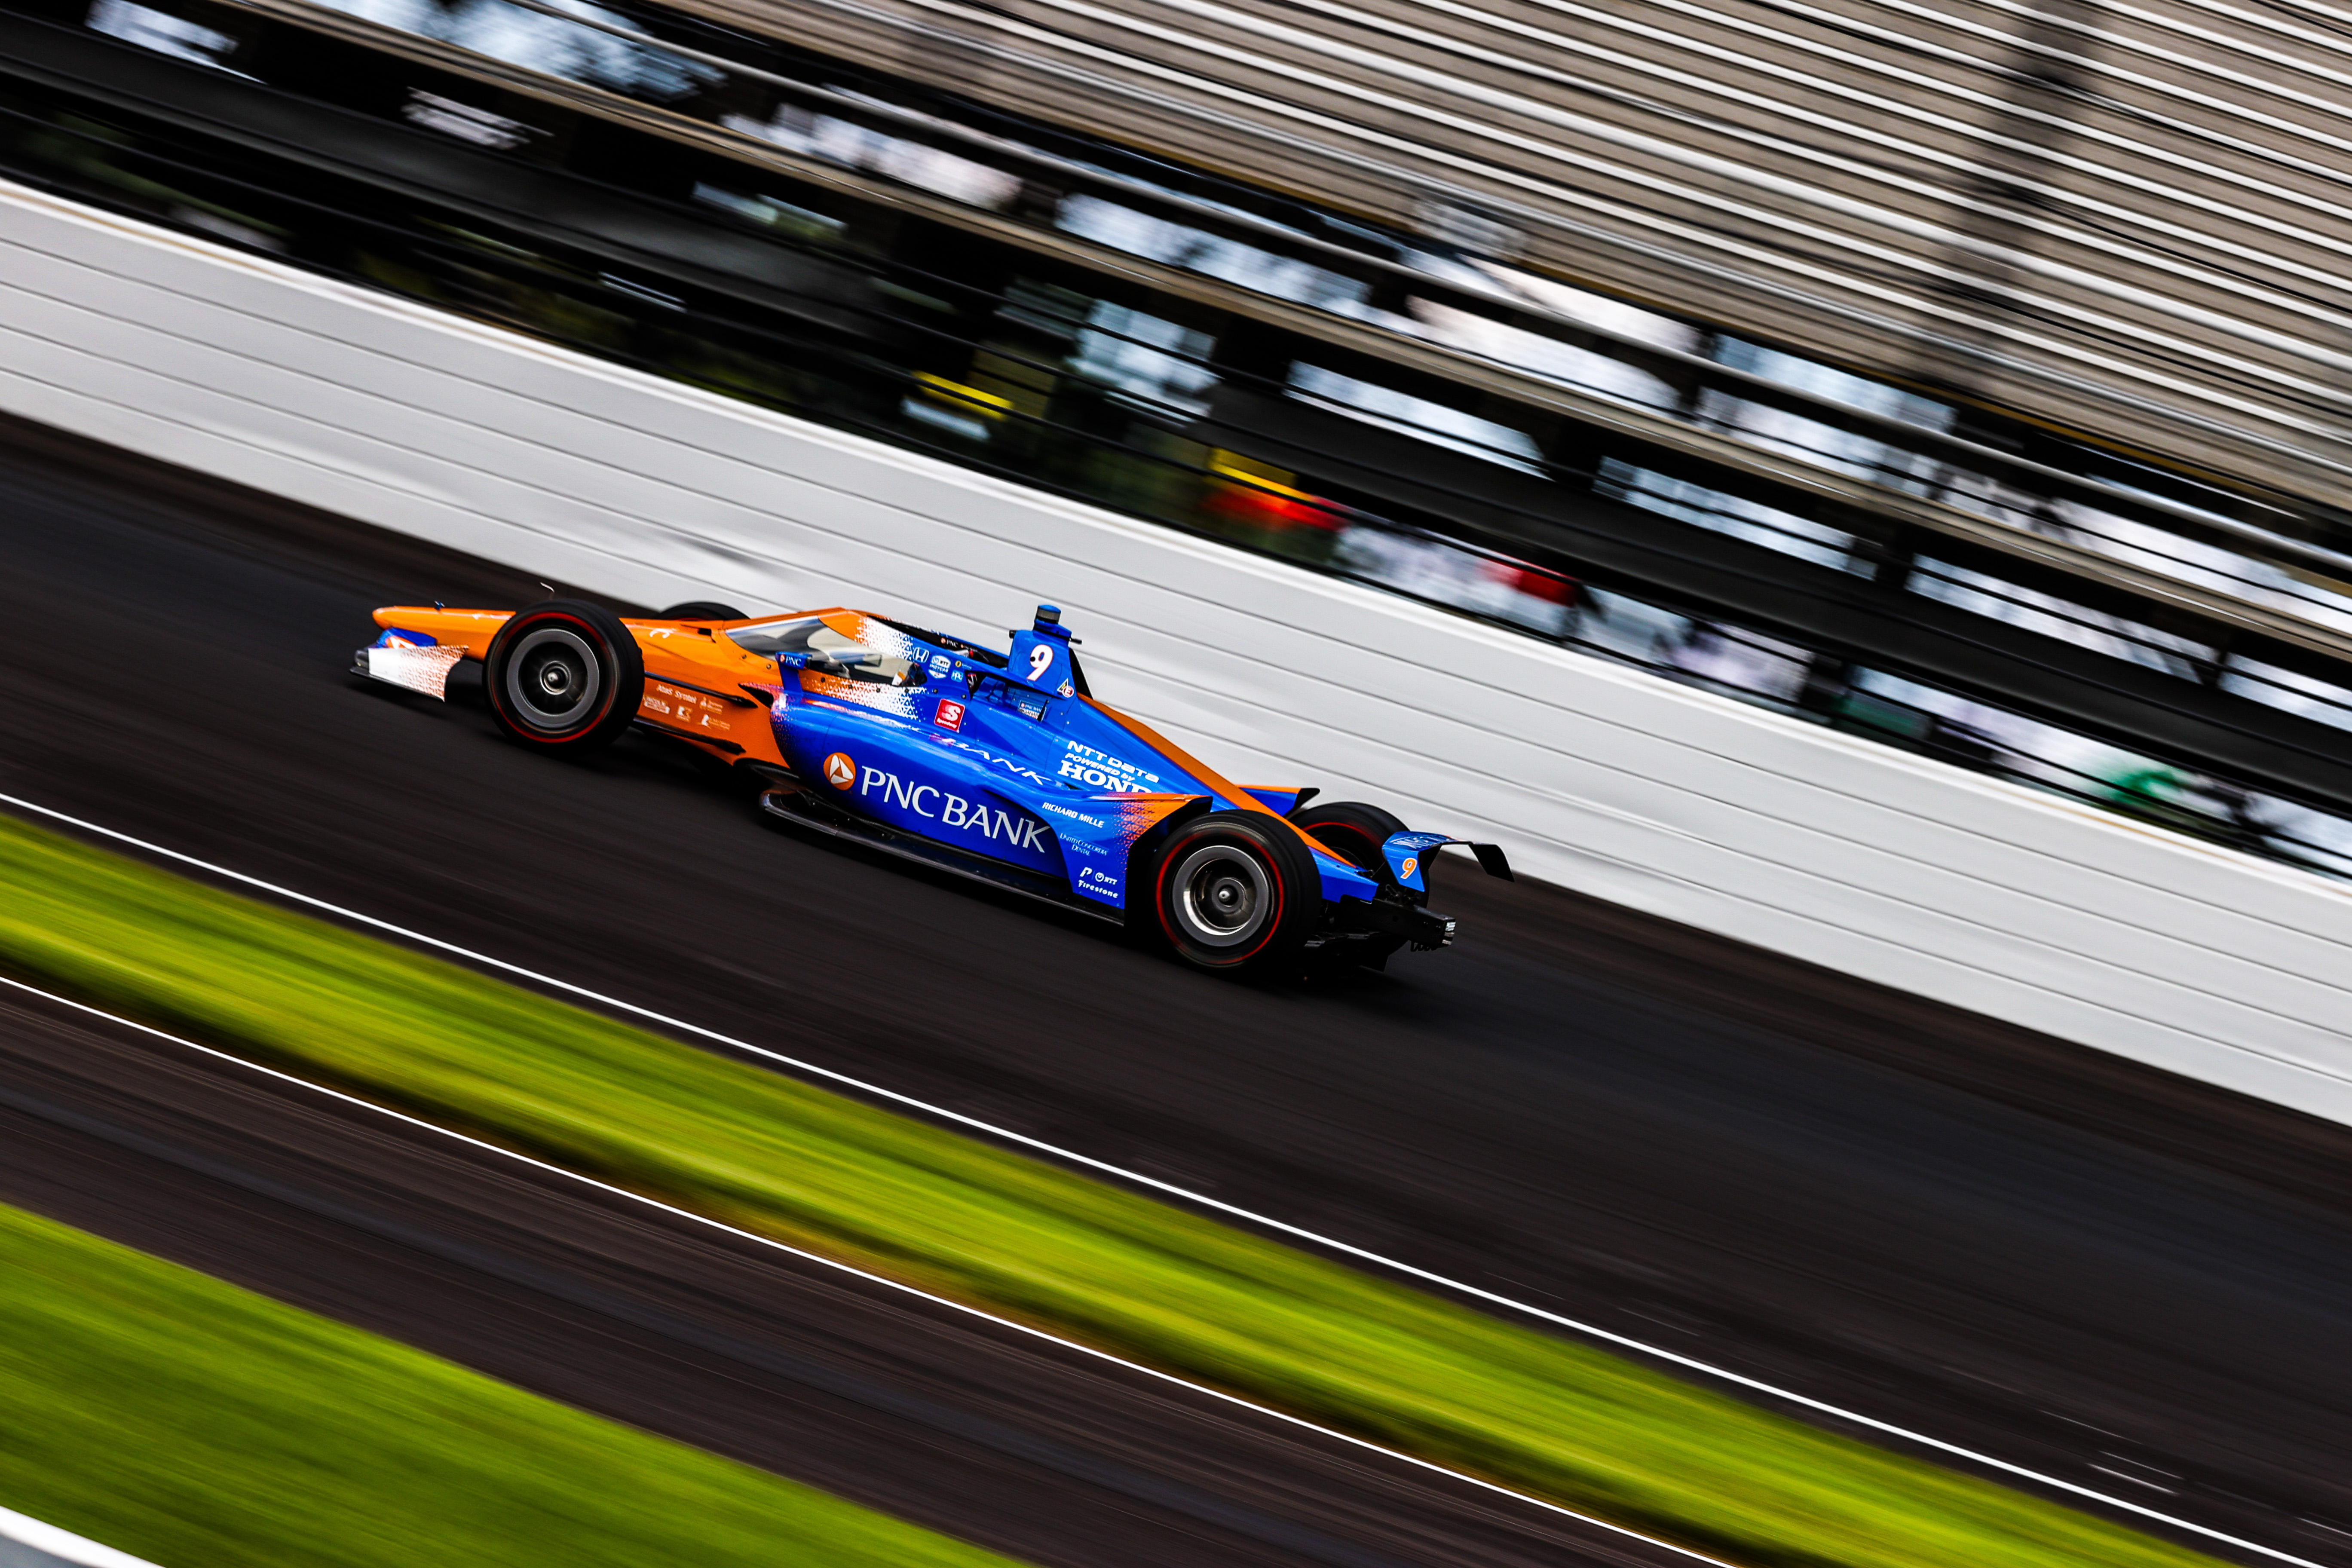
[(839, 770)]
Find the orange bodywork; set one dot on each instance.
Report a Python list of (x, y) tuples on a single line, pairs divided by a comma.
[(699, 686), (703, 689)]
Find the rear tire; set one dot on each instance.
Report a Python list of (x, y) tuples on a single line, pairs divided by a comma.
[(563, 676), (702, 610), (1354, 832), (1231, 893)]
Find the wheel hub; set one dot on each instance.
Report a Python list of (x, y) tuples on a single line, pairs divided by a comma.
[(1223, 896), (552, 679)]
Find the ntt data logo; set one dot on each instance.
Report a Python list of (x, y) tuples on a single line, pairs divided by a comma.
[(839, 770)]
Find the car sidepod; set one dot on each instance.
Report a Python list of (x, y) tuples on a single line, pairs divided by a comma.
[(987, 764), (911, 776)]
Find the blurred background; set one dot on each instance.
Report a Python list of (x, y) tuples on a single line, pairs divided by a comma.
[(1971, 378), (1965, 384)]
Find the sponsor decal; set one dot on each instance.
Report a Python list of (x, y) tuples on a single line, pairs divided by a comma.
[(1100, 770), (1065, 689), (687, 707), (1091, 880), (949, 809), (1074, 816), (1007, 764), (940, 665), (1405, 871), (840, 772), (950, 714)]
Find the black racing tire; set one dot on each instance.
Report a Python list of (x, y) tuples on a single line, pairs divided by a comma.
[(1233, 892), (702, 610), (563, 676), (1354, 832)]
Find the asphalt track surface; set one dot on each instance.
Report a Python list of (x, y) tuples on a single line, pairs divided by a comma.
[(915, 1408), (2089, 1269)]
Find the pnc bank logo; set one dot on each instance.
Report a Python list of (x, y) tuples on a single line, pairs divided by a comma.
[(839, 770)]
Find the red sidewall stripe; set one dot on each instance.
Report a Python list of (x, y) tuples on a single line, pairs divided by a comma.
[(595, 638), (1167, 859)]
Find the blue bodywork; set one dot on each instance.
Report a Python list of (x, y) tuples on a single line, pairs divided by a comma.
[(1006, 760)]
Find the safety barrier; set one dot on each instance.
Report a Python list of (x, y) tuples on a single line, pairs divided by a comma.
[(1833, 849)]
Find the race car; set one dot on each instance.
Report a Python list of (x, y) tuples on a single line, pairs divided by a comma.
[(997, 766)]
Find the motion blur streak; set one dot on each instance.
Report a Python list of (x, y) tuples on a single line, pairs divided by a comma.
[(1071, 1156), (2030, 1249), (2055, 200), (355, 1102)]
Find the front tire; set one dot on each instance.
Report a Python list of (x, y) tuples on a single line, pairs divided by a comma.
[(563, 676), (1236, 894)]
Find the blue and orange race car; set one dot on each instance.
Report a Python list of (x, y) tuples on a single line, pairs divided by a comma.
[(999, 766)]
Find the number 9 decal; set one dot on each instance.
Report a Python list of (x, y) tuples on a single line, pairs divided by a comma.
[(1040, 658)]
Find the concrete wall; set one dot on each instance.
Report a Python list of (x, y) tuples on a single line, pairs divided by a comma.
[(1836, 850)]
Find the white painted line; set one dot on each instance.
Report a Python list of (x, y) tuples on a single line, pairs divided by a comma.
[(818, 1257), (1201, 1200), (64, 1545)]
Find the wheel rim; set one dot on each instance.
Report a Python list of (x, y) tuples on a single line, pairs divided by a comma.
[(553, 678), (1223, 896)]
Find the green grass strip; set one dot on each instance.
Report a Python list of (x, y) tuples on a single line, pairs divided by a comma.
[(969, 1220), (191, 1422)]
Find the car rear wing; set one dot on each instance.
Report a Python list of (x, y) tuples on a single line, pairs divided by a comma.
[(1408, 856)]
